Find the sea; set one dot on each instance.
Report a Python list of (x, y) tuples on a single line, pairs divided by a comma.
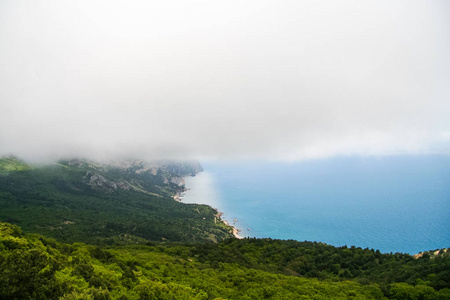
[(392, 203)]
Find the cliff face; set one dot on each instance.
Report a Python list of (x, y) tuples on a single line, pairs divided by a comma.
[(173, 172), (175, 168), (177, 180), (135, 174), (182, 168), (98, 182)]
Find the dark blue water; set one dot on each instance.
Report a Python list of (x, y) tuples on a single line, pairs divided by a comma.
[(394, 204)]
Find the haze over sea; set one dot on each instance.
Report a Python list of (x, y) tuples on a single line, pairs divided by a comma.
[(394, 204)]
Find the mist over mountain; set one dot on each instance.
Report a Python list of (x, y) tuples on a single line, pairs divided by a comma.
[(197, 79)]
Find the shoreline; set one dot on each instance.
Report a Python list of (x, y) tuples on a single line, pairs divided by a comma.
[(179, 195), (218, 216), (236, 231)]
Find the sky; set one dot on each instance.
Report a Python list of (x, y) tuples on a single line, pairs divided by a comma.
[(278, 80)]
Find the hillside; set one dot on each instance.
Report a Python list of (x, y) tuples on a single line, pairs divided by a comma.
[(83, 201), (34, 267)]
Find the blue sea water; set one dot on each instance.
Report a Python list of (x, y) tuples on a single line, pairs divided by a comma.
[(394, 204)]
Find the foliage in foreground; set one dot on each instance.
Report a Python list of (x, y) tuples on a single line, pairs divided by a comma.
[(319, 260), (35, 267)]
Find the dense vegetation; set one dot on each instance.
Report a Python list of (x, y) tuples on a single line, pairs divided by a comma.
[(79, 201), (39, 268), (318, 260)]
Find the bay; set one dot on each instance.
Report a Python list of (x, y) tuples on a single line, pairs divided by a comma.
[(393, 204)]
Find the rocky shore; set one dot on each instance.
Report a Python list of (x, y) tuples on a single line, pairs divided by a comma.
[(236, 231), (218, 217)]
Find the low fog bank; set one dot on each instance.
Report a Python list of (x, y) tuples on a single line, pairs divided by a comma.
[(232, 80)]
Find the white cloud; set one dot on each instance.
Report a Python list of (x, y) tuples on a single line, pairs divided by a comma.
[(278, 80)]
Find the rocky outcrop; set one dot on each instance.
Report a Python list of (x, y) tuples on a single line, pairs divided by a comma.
[(153, 171), (135, 174), (124, 185), (177, 180), (181, 169), (100, 183), (433, 253)]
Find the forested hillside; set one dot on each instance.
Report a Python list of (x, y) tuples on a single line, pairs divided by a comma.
[(82, 201), (34, 267)]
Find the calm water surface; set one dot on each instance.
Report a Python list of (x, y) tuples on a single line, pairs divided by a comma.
[(394, 204)]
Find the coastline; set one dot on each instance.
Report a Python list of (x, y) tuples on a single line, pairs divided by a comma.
[(179, 196), (236, 231)]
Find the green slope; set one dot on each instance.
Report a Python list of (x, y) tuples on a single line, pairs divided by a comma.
[(34, 267), (94, 203)]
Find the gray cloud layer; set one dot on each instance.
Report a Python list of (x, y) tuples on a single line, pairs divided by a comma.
[(230, 79)]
